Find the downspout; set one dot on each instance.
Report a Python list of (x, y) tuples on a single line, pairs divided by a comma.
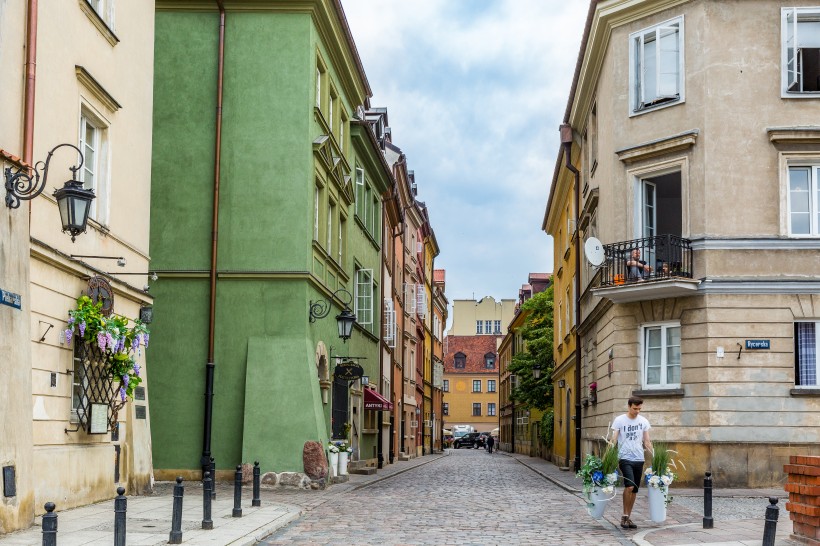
[(566, 141), (211, 365), (30, 86)]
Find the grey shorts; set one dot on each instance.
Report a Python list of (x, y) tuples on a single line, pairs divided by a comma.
[(632, 471)]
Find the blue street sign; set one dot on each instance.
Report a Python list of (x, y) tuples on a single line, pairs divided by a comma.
[(11, 299), (758, 344)]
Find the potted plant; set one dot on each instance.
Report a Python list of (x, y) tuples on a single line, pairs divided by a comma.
[(333, 459), (344, 453), (659, 477), (599, 474)]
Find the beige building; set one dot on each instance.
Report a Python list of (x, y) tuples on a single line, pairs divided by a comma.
[(483, 317), (94, 92), (699, 169)]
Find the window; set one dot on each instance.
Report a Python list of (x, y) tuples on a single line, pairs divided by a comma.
[(479, 327), (318, 87), (331, 105), (331, 211), (364, 296), (656, 66), (409, 298), (93, 143), (806, 349), (105, 9), (460, 360), (389, 323), (800, 51), (476, 409), (497, 327), (446, 385), (488, 327), (661, 355), (316, 214), (593, 139), (446, 408), (804, 200), (342, 231), (421, 300), (476, 385), (491, 385), (489, 361), (491, 409)]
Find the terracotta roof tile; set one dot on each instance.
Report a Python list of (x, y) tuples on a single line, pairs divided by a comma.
[(474, 348), (438, 275)]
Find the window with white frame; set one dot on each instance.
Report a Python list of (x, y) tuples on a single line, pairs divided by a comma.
[(491, 409), (105, 9), (364, 296), (446, 386), (497, 329), (656, 66), (491, 385), (804, 200), (488, 327), (94, 173), (476, 409), (389, 323), (479, 327), (661, 355), (318, 87), (800, 51), (409, 298), (806, 349), (340, 253), (421, 300), (331, 211), (316, 214), (476, 385), (446, 408)]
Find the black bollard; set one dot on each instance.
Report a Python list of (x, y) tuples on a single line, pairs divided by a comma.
[(256, 477), (50, 525), (237, 492), (213, 477), (770, 528), (207, 484), (708, 522), (176, 516), (120, 506)]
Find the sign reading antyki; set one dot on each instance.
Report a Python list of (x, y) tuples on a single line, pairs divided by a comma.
[(348, 371), (11, 299), (758, 344)]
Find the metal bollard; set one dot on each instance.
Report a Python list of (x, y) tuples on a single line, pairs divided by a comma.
[(237, 492), (213, 477), (175, 537), (120, 507), (50, 525), (207, 484), (708, 522), (770, 528), (256, 478)]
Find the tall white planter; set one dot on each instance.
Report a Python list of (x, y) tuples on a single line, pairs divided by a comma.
[(333, 464), (597, 501), (343, 455), (657, 504)]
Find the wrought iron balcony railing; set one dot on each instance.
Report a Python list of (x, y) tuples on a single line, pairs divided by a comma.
[(646, 260)]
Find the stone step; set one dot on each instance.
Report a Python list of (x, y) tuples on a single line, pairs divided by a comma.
[(367, 470)]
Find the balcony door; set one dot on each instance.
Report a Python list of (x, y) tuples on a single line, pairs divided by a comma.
[(658, 212)]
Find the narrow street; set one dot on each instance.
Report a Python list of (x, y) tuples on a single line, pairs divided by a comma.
[(468, 497)]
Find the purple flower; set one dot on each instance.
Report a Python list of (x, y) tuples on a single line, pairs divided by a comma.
[(135, 342), (136, 369), (71, 320), (82, 329), (109, 340), (121, 345), (122, 393), (125, 379), (145, 339), (101, 340), (68, 334)]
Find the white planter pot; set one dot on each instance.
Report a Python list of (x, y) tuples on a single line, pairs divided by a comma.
[(597, 501), (657, 504), (333, 464), (343, 455)]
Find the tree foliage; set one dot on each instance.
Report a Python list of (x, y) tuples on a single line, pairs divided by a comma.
[(536, 332)]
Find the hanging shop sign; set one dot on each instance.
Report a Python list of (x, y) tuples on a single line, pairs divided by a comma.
[(348, 371)]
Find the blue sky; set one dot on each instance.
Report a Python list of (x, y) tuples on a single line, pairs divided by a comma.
[(475, 91)]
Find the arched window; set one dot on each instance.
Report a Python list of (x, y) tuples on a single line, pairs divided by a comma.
[(489, 361), (460, 360)]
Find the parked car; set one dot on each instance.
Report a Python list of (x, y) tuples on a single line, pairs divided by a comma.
[(481, 440), (468, 440)]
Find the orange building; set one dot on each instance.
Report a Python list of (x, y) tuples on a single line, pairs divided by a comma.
[(471, 382)]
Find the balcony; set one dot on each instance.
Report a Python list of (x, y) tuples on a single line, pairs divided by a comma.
[(647, 269)]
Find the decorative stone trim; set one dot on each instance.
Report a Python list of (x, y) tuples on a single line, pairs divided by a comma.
[(804, 392), (801, 134), (98, 22), (96, 89), (657, 147), (659, 393)]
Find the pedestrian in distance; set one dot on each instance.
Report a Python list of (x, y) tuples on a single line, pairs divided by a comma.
[(490, 443), (631, 431)]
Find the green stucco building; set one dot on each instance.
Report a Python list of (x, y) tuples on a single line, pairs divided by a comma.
[(257, 133)]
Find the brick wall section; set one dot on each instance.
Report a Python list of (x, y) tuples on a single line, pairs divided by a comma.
[(803, 488)]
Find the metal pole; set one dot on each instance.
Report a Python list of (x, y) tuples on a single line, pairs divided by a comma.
[(237, 492), (770, 528), (120, 506), (175, 536), (256, 478), (207, 484), (708, 522), (213, 477), (50, 525)]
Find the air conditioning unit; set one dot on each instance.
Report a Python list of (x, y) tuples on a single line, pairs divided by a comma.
[(523, 420), (428, 424), (414, 424)]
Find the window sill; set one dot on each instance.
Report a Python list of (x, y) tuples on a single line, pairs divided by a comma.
[(659, 393), (805, 392), (99, 22)]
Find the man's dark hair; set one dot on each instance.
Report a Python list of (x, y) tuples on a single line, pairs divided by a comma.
[(634, 401)]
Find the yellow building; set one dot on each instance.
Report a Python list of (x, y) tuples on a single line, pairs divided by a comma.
[(471, 382)]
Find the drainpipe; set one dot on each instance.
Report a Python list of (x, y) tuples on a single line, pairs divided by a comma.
[(566, 141), (31, 80), (209, 367)]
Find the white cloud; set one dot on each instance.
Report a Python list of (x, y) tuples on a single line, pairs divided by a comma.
[(475, 91)]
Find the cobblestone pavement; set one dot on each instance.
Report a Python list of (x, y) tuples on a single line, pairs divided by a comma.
[(468, 497)]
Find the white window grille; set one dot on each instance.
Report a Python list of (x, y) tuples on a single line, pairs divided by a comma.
[(389, 323), (421, 300), (661, 355), (656, 65), (409, 298), (364, 296), (479, 327)]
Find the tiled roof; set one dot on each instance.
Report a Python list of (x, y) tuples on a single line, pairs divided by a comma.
[(438, 275), (474, 347), (541, 276), (11, 158)]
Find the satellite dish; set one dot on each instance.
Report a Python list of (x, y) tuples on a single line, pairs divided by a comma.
[(594, 251)]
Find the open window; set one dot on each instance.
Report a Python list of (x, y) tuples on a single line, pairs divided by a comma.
[(800, 55), (656, 66)]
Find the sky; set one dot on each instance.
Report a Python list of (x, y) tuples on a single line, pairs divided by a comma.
[(475, 91)]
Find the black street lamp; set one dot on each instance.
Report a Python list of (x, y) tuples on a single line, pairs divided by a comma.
[(536, 371), (73, 200), (344, 320)]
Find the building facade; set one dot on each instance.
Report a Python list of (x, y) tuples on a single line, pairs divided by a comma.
[(703, 298), (471, 382)]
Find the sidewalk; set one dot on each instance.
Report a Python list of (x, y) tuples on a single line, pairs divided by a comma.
[(738, 522), (148, 520)]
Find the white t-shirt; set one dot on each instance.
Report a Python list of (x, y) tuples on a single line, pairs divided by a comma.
[(630, 436)]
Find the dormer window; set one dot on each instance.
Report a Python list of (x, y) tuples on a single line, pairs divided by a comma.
[(460, 360), (489, 361)]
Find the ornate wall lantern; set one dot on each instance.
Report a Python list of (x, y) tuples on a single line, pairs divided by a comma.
[(344, 320)]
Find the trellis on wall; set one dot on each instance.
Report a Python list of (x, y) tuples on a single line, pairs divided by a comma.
[(95, 389)]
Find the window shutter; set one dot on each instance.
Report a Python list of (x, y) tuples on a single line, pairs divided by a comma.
[(389, 321), (364, 296), (421, 300), (409, 298)]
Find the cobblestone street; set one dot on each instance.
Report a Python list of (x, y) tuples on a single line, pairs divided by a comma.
[(468, 497)]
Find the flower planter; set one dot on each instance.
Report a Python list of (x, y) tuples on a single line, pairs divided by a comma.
[(597, 501), (343, 455), (333, 460), (657, 504)]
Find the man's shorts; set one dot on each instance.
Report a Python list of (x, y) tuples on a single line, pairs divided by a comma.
[(632, 471)]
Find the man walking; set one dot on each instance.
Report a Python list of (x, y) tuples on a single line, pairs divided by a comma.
[(631, 431), (490, 443)]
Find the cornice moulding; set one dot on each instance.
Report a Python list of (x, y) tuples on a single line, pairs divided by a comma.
[(89, 82), (657, 147), (806, 134)]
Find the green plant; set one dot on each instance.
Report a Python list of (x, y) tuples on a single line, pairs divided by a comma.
[(660, 474), (548, 427), (609, 460), (117, 341), (346, 430), (593, 475)]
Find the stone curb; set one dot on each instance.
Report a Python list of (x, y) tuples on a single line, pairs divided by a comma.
[(381, 479)]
